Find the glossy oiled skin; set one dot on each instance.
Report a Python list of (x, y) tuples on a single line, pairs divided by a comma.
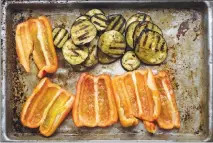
[(94, 104)]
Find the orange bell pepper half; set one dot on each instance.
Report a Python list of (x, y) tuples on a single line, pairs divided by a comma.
[(136, 96), (169, 116), (35, 37), (46, 107), (94, 104)]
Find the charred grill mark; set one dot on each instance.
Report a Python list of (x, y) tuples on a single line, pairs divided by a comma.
[(121, 26), (65, 34), (139, 37), (162, 46), (78, 22), (57, 34), (116, 48), (84, 36), (99, 24), (158, 40), (145, 39), (84, 27), (75, 53), (100, 18), (116, 23)]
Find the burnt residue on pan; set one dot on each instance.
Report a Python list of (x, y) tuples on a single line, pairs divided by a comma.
[(183, 31)]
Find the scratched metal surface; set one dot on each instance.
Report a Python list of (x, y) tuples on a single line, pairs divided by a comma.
[(186, 34)]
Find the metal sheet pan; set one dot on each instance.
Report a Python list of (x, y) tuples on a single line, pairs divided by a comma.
[(187, 28)]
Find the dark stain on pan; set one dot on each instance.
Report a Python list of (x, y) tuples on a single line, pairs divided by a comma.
[(183, 28)]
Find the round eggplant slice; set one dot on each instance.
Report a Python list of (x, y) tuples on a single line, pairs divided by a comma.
[(100, 21), (92, 59), (145, 25), (151, 47), (112, 43), (104, 58), (73, 54), (138, 17), (129, 34), (82, 32), (83, 17), (92, 12), (116, 22), (130, 61), (60, 36)]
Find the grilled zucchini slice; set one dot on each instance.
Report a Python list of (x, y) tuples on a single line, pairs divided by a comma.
[(130, 61), (92, 59), (104, 58), (92, 12), (83, 17), (145, 25), (100, 21), (73, 54), (129, 34), (60, 36), (138, 17), (151, 47), (112, 43), (82, 32), (116, 22)]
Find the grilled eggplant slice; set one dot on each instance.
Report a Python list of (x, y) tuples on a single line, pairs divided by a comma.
[(129, 34), (82, 32), (138, 17), (92, 12), (60, 36), (73, 54), (151, 47), (92, 59), (112, 43), (83, 17), (130, 61), (104, 58), (145, 25), (116, 22), (100, 21)]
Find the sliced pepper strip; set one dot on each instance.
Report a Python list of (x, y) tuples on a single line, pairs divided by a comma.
[(35, 36), (46, 40), (149, 95), (24, 44), (106, 102), (94, 104), (56, 113), (125, 111), (169, 116)]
